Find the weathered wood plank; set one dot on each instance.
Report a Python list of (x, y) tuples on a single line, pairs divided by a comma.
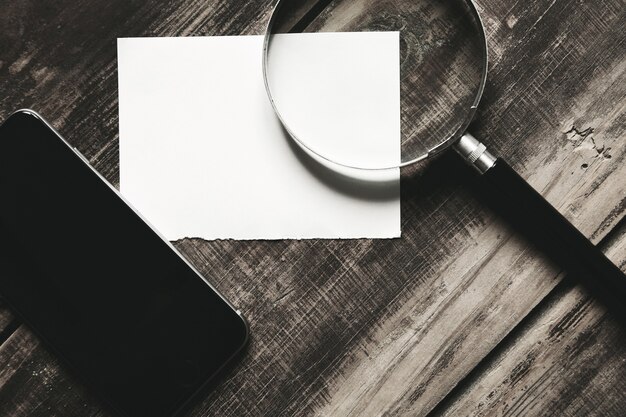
[(8, 322), (568, 358), (366, 327), (34, 384)]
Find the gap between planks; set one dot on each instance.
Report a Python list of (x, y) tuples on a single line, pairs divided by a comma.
[(544, 314)]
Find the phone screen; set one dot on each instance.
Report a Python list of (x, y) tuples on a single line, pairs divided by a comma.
[(105, 292)]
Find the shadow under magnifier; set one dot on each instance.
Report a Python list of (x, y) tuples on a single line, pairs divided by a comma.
[(362, 184)]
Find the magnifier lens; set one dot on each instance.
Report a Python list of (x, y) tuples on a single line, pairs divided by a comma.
[(338, 96)]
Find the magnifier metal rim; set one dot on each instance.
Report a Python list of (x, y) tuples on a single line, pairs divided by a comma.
[(443, 145)]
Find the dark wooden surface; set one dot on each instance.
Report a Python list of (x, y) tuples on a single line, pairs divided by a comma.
[(460, 315), (566, 358)]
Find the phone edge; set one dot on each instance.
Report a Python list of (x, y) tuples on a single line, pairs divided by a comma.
[(179, 407)]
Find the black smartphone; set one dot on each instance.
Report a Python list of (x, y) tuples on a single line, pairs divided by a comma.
[(103, 290)]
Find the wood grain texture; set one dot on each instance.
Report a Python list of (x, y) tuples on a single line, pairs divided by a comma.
[(8, 322), (35, 384), (567, 358), (360, 327)]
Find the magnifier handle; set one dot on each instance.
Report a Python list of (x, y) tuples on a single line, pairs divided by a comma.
[(513, 198)]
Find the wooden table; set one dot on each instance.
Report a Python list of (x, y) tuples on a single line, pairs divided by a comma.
[(461, 316)]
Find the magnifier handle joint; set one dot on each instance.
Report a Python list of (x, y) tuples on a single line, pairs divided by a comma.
[(475, 153)]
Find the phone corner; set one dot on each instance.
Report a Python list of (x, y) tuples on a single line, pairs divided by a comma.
[(21, 112), (246, 330)]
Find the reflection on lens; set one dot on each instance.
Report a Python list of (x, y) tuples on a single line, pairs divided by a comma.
[(322, 95)]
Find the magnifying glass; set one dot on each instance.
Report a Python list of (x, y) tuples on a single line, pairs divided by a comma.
[(443, 71)]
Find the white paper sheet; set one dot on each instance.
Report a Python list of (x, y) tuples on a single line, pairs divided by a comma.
[(203, 155)]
